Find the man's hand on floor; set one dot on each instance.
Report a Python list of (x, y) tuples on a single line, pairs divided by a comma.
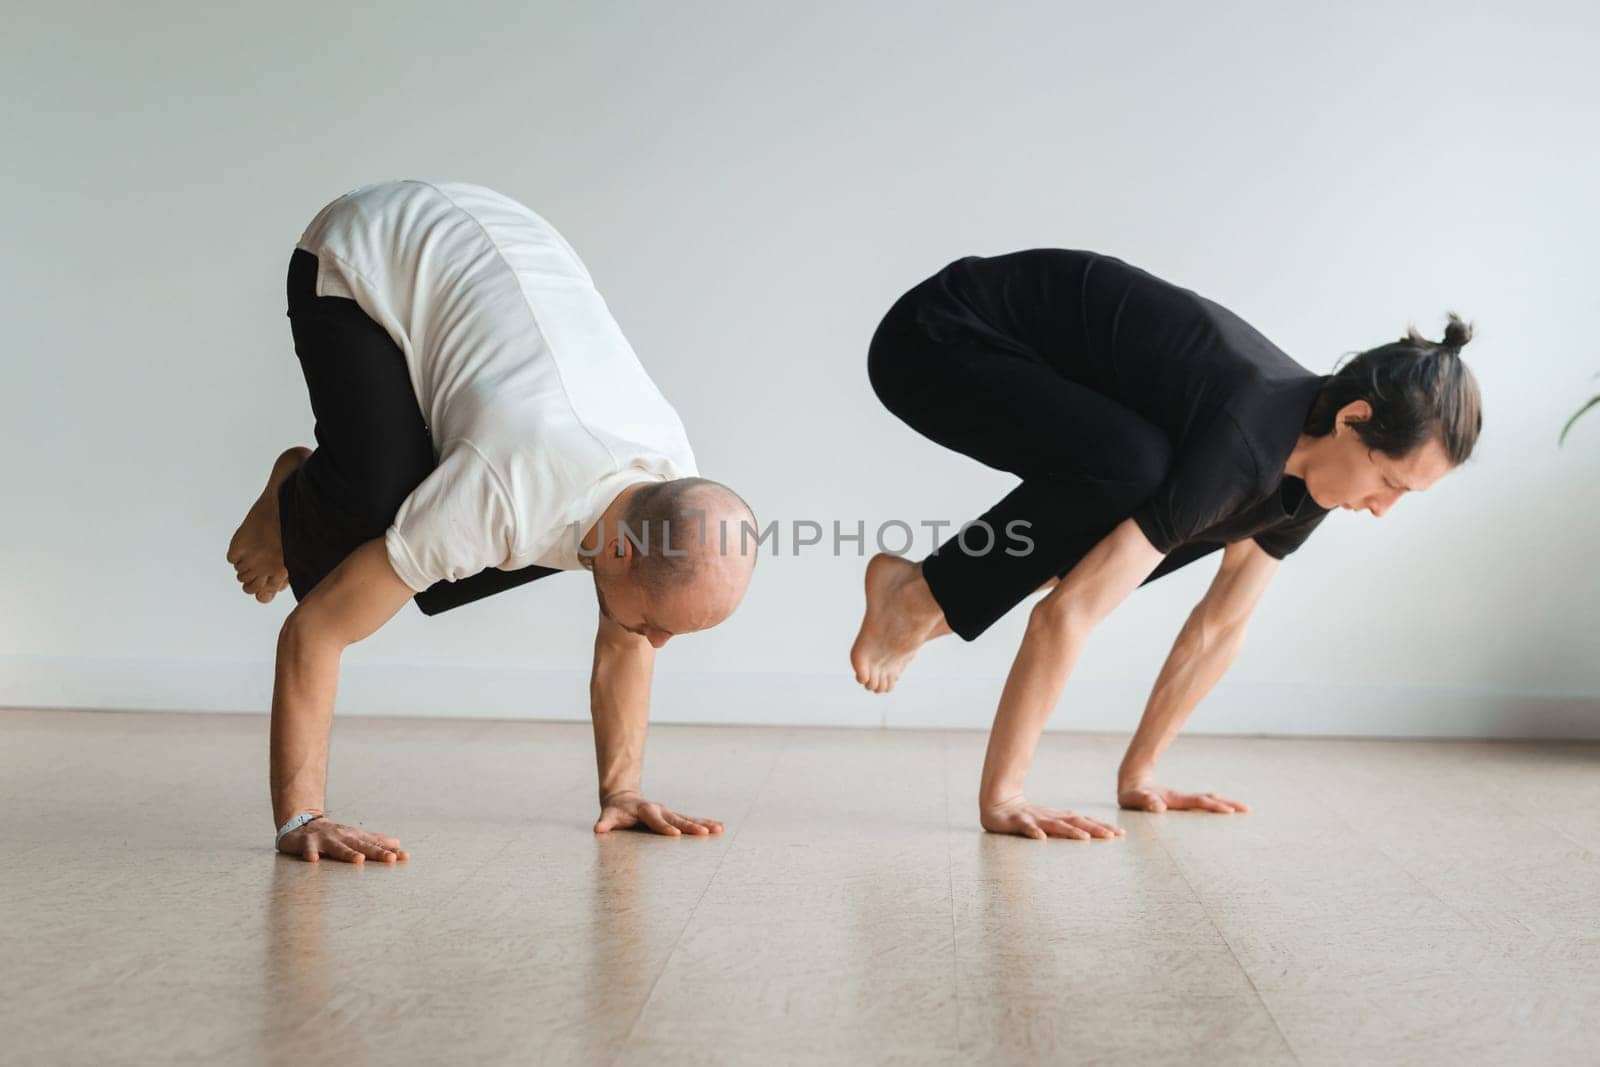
[(1158, 798), (351, 844), (624, 811)]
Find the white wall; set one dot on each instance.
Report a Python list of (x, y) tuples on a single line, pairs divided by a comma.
[(752, 185)]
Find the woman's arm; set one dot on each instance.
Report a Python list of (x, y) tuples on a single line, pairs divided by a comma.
[(1058, 626), (352, 602), (1206, 647)]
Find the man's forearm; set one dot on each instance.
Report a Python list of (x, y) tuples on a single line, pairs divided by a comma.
[(1199, 657), (1049, 651), (619, 703), (304, 684)]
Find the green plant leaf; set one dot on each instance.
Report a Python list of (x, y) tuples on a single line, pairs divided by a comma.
[(1593, 400)]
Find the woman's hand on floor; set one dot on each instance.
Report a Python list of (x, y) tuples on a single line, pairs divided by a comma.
[(1018, 816), (625, 811), (1159, 798), (325, 838)]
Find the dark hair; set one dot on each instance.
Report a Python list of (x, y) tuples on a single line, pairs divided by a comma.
[(672, 515), (1419, 390)]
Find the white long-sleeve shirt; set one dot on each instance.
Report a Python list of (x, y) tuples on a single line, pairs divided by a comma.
[(539, 410)]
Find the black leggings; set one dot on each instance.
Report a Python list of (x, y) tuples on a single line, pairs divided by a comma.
[(1086, 461), (373, 446)]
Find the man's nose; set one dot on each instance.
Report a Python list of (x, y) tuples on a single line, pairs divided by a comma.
[(658, 639)]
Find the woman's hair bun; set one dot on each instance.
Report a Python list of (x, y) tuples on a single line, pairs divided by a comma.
[(1456, 334)]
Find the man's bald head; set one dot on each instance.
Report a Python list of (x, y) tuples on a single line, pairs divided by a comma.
[(691, 555)]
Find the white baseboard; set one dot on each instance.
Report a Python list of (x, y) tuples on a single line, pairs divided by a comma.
[(748, 698)]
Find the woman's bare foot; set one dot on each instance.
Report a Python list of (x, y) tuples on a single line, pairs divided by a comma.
[(256, 550), (901, 616)]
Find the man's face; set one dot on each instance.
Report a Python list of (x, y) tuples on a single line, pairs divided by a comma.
[(716, 590), (1347, 474), (627, 606)]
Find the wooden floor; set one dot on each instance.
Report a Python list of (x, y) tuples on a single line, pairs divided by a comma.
[(1393, 902)]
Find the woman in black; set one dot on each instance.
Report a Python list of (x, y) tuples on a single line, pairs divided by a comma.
[(1150, 426)]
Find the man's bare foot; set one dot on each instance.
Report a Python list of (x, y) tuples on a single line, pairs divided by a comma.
[(901, 616), (256, 550)]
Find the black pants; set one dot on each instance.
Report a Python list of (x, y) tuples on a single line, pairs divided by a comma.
[(373, 446), (1086, 461)]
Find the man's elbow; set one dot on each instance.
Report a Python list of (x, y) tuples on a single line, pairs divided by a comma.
[(306, 631)]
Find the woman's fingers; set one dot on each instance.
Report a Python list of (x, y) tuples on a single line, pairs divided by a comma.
[(1040, 823), (657, 821), (1152, 801), (1207, 802), (1063, 828), (686, 824), (1092, 827), (1139, 800), (656, 818)]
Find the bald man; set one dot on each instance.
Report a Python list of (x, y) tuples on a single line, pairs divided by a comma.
[(481, 422)]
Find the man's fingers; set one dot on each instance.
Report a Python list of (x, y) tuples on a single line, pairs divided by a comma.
[(1031, 828), (609, 820), (338, 850), (1094, 827), (345, 843), (373, 849)]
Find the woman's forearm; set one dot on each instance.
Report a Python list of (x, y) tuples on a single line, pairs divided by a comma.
[(303, 690), (1049, 651), (1199, 657)]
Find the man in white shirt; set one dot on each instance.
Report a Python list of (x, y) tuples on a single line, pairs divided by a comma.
[(481, 422)]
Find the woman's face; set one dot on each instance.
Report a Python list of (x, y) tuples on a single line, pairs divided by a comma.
[(1342, 472)]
